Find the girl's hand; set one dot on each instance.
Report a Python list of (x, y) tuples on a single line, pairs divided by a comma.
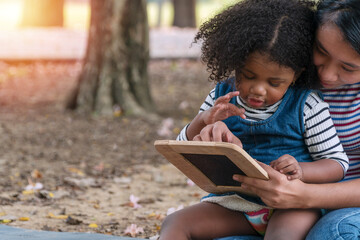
[(223, 109), (217, 132), (288, 165), (278, 191)]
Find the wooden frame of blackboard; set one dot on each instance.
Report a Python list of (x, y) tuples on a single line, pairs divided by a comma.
[(211, 165)]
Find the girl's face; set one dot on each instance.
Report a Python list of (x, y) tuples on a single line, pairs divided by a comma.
[(262, 82), (336, 61)]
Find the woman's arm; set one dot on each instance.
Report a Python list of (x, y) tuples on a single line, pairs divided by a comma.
[(279, 192)]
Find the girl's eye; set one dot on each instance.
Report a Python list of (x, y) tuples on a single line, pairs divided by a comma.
[(274, 84), (247, 76), (319, 50), (347, 70)]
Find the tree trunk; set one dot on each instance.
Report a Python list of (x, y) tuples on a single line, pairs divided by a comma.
[(184, 13), (43, 13), (159, 15), (115, 66)]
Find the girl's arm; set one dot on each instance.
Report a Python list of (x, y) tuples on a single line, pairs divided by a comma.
[(208, 103), (279, 192), (212, 111), (321, 171), (330, 161)]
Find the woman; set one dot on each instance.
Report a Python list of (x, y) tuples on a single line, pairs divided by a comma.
[(337, 58)]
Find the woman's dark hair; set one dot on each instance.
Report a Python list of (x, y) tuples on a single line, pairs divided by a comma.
[(284, 30), (345, 14)]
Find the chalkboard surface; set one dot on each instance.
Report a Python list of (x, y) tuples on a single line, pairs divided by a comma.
[(218, 168), (211, 165)]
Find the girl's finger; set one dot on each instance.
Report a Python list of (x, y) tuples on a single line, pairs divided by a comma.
[(283, 165), (231, 138), (236, 111), (294, 176), (288, 169), (197, 138), (227, 97), (217, 133), (206, 133)]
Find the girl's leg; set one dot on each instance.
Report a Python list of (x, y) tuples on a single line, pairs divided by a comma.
[(247, 237), (204, 221), (291, 224), (338, 224)]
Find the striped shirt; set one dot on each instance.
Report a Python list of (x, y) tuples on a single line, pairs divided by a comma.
[(344, 105), (320, 134)]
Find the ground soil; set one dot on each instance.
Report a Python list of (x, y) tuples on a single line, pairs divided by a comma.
[(89, 166)]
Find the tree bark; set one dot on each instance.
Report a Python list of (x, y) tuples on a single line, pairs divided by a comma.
[(115, 66), (184, 13), (159, 15), (43, 13)]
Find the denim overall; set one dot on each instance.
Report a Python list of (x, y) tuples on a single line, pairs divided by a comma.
[(267, 140)]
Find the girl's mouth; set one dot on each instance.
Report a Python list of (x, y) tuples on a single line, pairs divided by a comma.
[(255, 102), (328, 85)]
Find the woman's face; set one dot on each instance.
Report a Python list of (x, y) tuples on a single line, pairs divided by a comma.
[(336, 61)]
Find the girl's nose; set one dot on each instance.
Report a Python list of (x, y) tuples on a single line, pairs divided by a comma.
[(258, 89), (327, 73)]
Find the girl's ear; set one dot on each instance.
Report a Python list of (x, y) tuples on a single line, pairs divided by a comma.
[(297, 75)]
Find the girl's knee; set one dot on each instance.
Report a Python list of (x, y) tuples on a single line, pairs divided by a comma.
[(174, 221), (176, 226)]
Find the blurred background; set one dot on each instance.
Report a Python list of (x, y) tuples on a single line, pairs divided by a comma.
[(58, 30), (86, 87), (75, 14)]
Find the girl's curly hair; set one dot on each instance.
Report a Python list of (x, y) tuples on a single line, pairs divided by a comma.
[(282, 29)]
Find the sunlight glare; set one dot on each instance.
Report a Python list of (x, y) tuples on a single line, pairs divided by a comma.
[(10, 13), (76, 14)]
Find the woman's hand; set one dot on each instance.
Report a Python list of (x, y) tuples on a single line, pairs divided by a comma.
[(278, 191), (217, 132), (288, 165), (223, 109)]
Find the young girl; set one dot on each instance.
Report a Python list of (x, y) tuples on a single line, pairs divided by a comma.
[(268, 44)]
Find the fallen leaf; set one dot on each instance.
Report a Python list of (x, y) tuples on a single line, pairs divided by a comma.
[(134, 201), (100, 167), (133, 230), (77, 171), (51, 215), (6, 221), (190, 183), (166, 126), (93, 225), (32, 186), (36, 174), (172, 210), (28, 192)]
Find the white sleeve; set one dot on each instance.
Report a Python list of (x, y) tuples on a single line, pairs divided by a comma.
[(320, 134), (208, 103)]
